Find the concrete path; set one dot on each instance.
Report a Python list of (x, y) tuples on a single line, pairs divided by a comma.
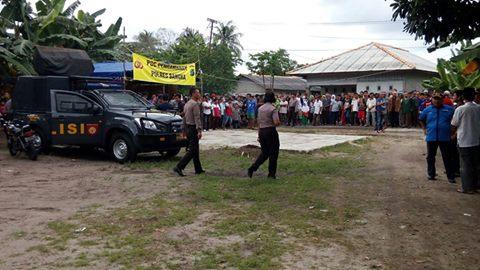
[(288, 140)]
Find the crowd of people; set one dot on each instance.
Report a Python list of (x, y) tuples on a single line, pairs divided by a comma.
[(376, 110)]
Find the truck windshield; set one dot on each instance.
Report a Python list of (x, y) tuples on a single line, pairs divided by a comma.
[(123, 99)]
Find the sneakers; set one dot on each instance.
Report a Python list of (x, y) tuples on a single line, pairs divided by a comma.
[(200, 172), (431, 178)]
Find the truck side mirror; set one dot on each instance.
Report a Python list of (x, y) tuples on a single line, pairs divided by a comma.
[(96, 109)]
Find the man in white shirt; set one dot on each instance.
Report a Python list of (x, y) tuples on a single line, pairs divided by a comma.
[(354, 114), (466, 123), (371, 103), (317, 110), (207, 113)]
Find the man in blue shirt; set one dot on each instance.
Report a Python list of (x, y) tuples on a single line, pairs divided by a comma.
[(380, 110), (251, 109), (435, 121)]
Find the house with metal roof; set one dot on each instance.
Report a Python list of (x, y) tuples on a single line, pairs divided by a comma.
[(373, 67), (257, 85)]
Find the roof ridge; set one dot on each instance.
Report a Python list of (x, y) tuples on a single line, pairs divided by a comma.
[(392, 54), (331, 57)]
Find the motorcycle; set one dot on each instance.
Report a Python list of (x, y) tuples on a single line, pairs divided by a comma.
[(21, 138)]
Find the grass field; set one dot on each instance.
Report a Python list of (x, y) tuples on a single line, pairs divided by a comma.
[(218, 220)]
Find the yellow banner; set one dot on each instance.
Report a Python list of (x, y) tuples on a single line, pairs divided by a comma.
[(149, 70)]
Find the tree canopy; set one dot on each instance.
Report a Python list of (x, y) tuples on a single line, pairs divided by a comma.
[(272, 63), (52, 24), (442, 22)]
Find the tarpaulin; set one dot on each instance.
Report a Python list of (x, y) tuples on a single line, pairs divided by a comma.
[(62, 62)]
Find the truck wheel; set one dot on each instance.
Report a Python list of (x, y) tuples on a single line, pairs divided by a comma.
[(171, 153), (122, 148)]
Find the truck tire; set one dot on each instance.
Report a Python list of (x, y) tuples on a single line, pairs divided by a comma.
[(122, 148), (171, 153)]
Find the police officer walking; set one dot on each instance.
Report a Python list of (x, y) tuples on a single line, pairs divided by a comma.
[(268, 120), (192, 128)]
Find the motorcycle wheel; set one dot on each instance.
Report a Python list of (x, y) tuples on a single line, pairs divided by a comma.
[(12, 149)]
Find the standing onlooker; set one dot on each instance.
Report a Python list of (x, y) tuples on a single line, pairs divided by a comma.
[(393, 109), (227, 118), (371, 104), (407, 110), (207, 112), (236, 118), (217, 115), (466, 123), (336, 106), (317, 111), (379, 112), (327, 103), (292, 110), (435, 121), (251, 111), (283, 110), (354, 112)]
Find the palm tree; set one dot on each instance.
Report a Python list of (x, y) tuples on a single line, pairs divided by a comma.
[(146, 41), (226, 33)]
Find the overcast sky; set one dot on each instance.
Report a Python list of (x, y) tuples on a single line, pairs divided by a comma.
[(309, 29)]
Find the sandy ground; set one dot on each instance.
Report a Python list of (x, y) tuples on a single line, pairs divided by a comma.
[(411, 224)]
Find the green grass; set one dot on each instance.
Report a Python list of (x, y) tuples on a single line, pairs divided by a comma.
[(266, 214)]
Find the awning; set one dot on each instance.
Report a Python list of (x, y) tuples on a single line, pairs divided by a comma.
[(112, 69)]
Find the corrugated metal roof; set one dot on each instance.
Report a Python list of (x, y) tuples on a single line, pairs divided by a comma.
[(371, 57), (292, 83)]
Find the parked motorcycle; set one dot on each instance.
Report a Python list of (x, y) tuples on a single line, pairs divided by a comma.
[(21, 138)]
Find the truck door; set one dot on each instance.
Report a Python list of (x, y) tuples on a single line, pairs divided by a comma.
[(76, 119)]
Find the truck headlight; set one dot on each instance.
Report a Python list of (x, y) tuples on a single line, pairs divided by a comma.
[(149, 124), (146, 123)]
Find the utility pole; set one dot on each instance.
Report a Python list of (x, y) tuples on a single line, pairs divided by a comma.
[(212, 22), (124, 68)]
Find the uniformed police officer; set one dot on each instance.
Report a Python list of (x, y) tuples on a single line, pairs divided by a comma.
[(267, 120), (192, 128)]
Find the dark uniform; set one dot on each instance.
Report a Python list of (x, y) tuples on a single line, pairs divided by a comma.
[(268, 137), (192, 124)]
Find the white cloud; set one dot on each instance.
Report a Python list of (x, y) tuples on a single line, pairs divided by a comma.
[(270, 24)]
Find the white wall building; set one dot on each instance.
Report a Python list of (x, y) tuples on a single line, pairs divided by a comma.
[(373, 67)]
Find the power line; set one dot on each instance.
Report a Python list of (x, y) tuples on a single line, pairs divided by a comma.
[(356, 22), (326, 50), (360, 38)]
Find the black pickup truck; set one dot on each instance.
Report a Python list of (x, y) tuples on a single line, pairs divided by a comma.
[(64, 110)]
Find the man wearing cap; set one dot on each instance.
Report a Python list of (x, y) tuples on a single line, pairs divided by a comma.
[(268, 120), (466, 124), (192, 129), (435, 122)]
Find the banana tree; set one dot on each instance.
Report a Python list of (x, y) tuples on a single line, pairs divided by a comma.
[(451, 77)]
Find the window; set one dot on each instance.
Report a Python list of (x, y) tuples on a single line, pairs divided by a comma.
[(367, 88), (390, 87), (379, 88), (71, 103)]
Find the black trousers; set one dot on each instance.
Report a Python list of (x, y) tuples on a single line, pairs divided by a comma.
[(469, 167), (394, 119), (292, 116), (270, 145), (193, 150), (447, 157)]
